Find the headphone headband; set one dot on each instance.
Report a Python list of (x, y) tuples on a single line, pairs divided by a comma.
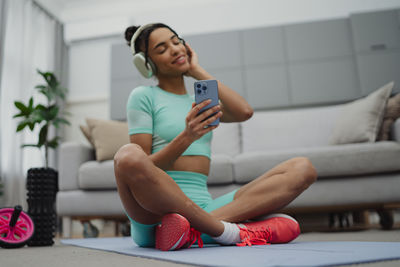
[(136, 35)]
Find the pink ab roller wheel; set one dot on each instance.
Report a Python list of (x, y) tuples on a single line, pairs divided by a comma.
[(16, 227)]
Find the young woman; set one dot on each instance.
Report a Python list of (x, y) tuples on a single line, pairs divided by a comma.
[(162, 175)]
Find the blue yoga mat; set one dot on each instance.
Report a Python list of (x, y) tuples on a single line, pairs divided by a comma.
[(292, 254)]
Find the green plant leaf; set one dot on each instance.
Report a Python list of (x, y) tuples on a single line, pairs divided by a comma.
[(22, 125), (46, 89), (40, 72), (41, 107), (54, 142), (21, 106), (54, 111), (62, 92), (53, 83), (46, 92), (43, 135), (41, 112), (58, 121), (30, 107), (48, 113), (45, 75), (41, 86), (31, 126), (36, 116), (18, 115)]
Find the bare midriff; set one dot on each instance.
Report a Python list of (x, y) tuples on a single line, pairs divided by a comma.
[(199, 164)]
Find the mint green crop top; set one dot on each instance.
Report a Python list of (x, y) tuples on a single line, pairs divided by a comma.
[(154, 111)]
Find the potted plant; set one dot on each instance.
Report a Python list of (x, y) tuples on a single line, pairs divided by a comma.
[(42, 183)]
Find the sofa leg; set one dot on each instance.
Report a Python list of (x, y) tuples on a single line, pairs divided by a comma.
[(66, 227), (386, 218), (361, 218)]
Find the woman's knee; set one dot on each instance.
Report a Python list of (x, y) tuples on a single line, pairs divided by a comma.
[(305, 170), (129, 159)]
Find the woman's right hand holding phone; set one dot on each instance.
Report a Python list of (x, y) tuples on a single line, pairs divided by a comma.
[(197, 124)]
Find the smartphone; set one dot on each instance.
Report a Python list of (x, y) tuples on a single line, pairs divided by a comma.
[(207, 89)]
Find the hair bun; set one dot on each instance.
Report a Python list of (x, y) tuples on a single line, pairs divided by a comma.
[(129, 32)]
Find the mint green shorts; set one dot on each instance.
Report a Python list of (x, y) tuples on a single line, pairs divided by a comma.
[(194, 185)]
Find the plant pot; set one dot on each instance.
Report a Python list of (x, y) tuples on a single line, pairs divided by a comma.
[(42, 187)]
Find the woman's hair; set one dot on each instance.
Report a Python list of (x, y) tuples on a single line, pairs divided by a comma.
[(143, 39)]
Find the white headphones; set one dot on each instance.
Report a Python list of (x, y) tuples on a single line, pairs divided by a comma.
[(139, 59)]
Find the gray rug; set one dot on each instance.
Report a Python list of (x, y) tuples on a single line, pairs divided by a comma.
[(292, 254)]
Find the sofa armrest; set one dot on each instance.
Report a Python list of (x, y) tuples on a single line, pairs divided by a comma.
[(396, 130), (71, 156)]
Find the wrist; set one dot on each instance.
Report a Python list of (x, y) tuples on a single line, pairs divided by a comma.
[(201, 74), (185, 139)]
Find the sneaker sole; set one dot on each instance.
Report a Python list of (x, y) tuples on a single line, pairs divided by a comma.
[(172, 233)]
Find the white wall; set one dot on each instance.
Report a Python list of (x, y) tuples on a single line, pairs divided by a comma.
[(240, 14), (88, 83), (89, 74)]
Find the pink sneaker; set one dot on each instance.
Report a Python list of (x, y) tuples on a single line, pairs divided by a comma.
[(273, 229), (174, 233)]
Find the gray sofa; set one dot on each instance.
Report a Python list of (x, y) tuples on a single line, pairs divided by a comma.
[(350, 177)]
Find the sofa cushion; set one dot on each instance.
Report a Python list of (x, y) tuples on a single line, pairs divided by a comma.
[(360, 121), (97, 175), (306, 127), (221, 170), (71, 156), (330, 161), (89, 203), (372, 189), (226, 139), (94, 175)]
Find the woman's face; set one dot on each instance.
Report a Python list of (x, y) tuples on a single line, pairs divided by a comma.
[(168, 53)]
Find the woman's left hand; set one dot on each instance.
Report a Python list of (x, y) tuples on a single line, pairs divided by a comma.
[(193, 59)]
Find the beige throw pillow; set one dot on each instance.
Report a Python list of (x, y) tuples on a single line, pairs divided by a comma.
[(360, 120), (107, 136), (86, 132)]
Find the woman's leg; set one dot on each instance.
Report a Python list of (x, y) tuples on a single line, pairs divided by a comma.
[(148, 193), (269, 192)]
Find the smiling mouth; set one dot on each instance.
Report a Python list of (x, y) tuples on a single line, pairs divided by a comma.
[(179, 60)]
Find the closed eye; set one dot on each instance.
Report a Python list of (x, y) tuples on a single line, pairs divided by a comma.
[(162, 47)]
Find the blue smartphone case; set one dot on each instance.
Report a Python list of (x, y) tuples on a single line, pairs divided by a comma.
[(207, 89)]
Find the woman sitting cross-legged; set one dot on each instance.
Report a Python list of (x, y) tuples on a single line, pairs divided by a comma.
[(162, 175)]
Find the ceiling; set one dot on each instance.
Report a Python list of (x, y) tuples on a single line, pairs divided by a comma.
[(67, 11)]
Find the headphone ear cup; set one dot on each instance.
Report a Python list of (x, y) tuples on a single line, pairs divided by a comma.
[(152, 66), (147, 70)]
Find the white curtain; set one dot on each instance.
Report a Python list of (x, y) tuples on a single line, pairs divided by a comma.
[(29, 44)]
